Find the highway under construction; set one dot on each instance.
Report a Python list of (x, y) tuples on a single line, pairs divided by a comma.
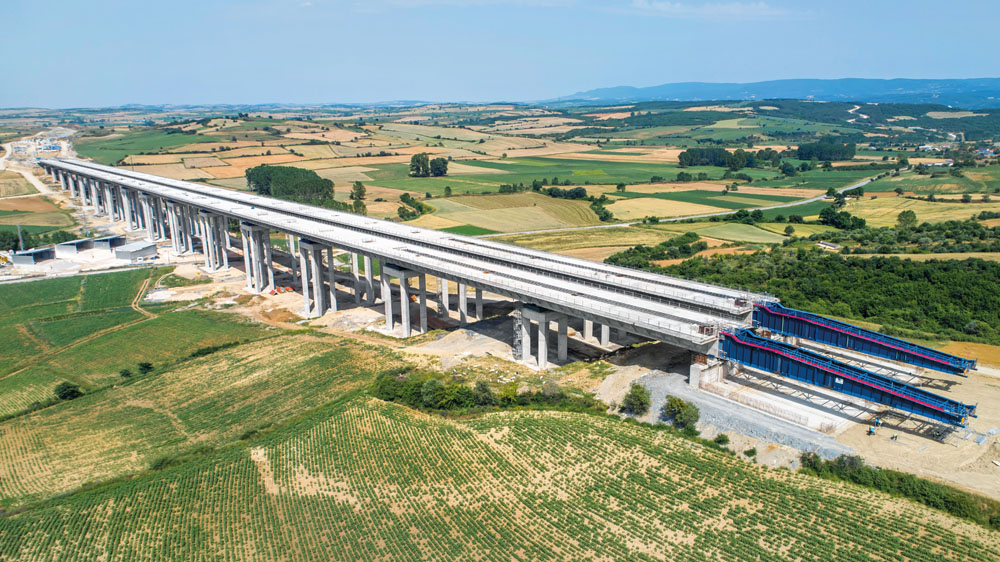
[(718, 325)]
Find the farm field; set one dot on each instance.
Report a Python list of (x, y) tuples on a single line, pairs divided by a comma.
[(593, 238), (34, 214), (977, 180), (207, 401), (883, 210), (37, 335), (362, 479), (800, 229), (509, 212), (12, 184), (731, 231)]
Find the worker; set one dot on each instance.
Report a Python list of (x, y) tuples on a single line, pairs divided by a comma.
[(895, 436), (871, 431)]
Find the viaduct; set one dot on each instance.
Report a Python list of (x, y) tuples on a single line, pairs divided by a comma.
[(710, 321)]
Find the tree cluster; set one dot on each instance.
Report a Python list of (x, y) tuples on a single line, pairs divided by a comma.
[(422, 166)]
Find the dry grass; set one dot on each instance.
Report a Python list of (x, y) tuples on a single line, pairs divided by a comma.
[(883, 211), (639, 207), (984, 353), (28, 204), (175, 171), (203, 162)]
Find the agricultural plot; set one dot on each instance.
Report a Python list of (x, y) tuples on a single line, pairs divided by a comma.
[(112, 148), (800, 229), (979, 180), (731, 231), (207, 401), (34, 214), (514, 212), (362, 480), (884, 210), (12, 184), (625, 236)]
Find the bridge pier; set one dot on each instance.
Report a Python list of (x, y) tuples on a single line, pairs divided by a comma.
[(463, 304), (311, 260), (443, 297), (356, 278), (257, 257), (523, 317), (404, 276)]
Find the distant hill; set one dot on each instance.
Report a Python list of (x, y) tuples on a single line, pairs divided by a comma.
[(970, 93)]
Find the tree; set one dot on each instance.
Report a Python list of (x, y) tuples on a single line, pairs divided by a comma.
[(797, 219), (68, 391), (447, 191), (620, 188), (721, 440), (484, 396), (684, 414), (789, 230), (637, 400), (966, 198), (358, 191), (898, 191), (125, 373), (359, 207), (438, 167), (906, 219), (432, 393), (420, 166), (145, 367)]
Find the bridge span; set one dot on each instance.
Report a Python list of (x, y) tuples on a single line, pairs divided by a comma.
[(700, 317), (550, 287)]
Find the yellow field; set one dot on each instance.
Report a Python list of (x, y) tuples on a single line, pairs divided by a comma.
[(314, 150), (986, 354), (515, 212), (348, 174), (39, 219), (177, 171), (156, 158), (12, 183), (203, 162), (883, 211), (639, 207), (591, 239)]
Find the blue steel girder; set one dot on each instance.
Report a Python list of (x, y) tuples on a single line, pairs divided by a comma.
[(786, 360), (806, 325)]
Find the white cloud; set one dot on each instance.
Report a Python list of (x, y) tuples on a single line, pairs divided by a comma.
[(728, 10)]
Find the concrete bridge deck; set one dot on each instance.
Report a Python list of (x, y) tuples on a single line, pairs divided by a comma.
[(680, 312)]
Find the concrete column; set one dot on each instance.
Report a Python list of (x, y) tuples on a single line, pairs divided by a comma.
[(62, 181), (330, 269), (109, 207), (588, 329), (224, 235), (443, 296), (422, 287), (369, 281), (290, 240), (316, 260), (605, 335), (561, 342), (525, 339), (543, 341), (479, 304), (463, 304), (247, 261), (304, 278), (356, 277), (147, 213), (269, 260), (206, 243), (404, 304), (387, 299), (255, 259)]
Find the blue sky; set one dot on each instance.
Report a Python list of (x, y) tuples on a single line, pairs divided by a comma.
[(72, 53)]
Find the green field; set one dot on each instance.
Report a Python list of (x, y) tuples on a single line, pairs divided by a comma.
[(733, 201), (468, 230), (112, 148), (208, 401), (43, 319), (365, 480)]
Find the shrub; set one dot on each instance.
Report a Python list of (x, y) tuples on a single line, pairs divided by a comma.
[(636, 402), (751, 452), (67, 391), (484, 396), (432, 393), (721, 440), (684, 414), (125, 373), (145, 367)]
